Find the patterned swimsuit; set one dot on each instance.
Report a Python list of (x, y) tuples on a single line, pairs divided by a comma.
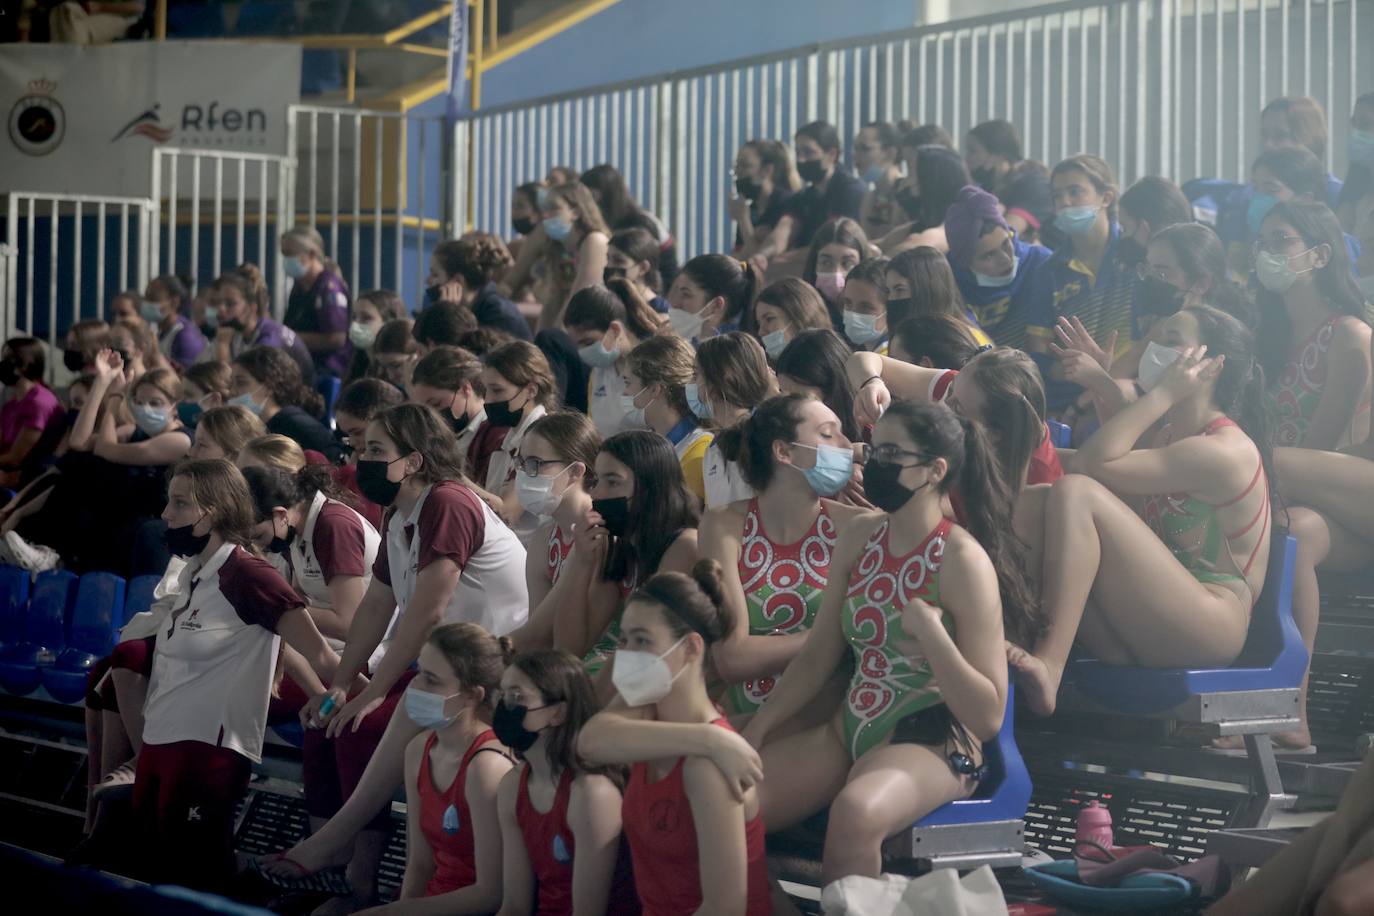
[(1294, 399), (783, 585), (888, 685)]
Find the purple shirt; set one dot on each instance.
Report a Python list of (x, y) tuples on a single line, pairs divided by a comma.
[(269, 333), (183, 343), (34, 410), (322, 308)]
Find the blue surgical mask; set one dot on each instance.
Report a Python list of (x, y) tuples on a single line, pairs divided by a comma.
[(211, 317), (872, 174), (1260, 205), (774, 342), (427, 709), (1076, 220), (634, 416), (597, 356), (246, 400), (293, 268), (861, 329), (149, 420), (1361, 146), (985, 280), (834, 466), (699, 407), (151, 311), (557, 228)]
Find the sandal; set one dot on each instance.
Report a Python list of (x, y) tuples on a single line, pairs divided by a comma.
[(330, 880), (117, 781)]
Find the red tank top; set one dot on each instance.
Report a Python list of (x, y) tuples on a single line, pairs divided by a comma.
[(445, 821), (550, 845), (663, 841)]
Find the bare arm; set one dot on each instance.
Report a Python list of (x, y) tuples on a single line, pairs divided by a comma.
[(298, 632), (345, 594), (594, 817), (682, 555), (517, 874), (323, 341), (778, 240), (164, 448), (20, 447), (299, 670), (723, 861), (531, 250), (419, 855), (741, 656)]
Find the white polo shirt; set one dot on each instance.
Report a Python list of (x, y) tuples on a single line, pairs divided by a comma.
[(214, 660), (450, 521), (502, 467), (724, 482), (604, 389)]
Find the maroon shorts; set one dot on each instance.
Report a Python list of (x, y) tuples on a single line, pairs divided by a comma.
[(134, 655), (333, 766), (185, 794)]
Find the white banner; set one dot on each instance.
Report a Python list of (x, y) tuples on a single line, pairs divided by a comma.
[(83, 120)]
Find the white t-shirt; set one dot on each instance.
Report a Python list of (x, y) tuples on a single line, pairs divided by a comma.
[(603, 401), (502, 466), (214, 661), (450, 521), (724, 482)]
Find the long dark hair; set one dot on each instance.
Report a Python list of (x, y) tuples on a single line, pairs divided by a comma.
[(281, 376), (560, 678), (595, 307), (816, 358), (1318, 226), (946, 340), (1239, 391), (988, 504), (639, 244), (1201, 256), (611, 192), (750, 442), (933, 287), (734, 280), (273, 487), (940, 173), (737, 368), (840, 231), (1013, 408), (660, 508), (415, 428), (693, 604)]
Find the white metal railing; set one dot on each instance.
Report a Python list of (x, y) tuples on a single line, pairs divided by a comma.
[(1171, 87), (240, 190), (78, 232), (361, 174)]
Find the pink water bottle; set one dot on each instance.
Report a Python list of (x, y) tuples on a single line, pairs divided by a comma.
[(1094, 825)]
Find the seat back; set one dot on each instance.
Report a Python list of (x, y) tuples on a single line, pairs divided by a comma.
[(138, 596), (1061, 436), (328, 386), (1005, 791), (1273, 640), (52, 594), (96, 612), (14, 603)]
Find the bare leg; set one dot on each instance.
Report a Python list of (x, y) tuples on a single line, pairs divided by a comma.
[(1339, 486), (93, 768), (1351, 894), (384, 773), (1095, 546), (888, 789), (115, 745), (804, 772), (131, 690)]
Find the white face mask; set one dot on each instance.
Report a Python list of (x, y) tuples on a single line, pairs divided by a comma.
[(1275, 273), (634, 416), (643, 678), (985, 280), (686, 325), (1153, 363), (774, 342), (536, 493), (361, 335)]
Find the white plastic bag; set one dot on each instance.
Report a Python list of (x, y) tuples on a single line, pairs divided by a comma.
[(940, 893)]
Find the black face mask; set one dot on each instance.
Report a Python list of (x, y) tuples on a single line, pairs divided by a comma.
[(182, 543), (811, 170), (457, 423), (233, 324), (9, 372), (432, 294), (500, 413), (882, 488), (615, 514), (1160, 297), (898, 310), (373, 484), (522, 225), (282, 545), (612, 273), (509, 724), (986, 177), (74, 360), (909, 201), (748, 188), (1130, 252)]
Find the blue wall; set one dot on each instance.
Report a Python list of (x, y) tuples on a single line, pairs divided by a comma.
[(641, 38)]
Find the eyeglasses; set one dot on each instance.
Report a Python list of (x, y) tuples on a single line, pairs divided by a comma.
[(1148, 272), (532, 466), (887, 453), (1278, 244)]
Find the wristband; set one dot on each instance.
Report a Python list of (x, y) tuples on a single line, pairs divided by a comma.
[(868, 381)]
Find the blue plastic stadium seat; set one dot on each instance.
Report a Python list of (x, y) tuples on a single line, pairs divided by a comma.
[(95, 620), (1274, 657), (1004, 792), (293, 733), (328, 386), (139, 596), (1061, 436), (14, 605), (43, 635)]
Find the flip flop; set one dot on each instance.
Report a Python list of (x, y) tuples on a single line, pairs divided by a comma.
[(331, 880)]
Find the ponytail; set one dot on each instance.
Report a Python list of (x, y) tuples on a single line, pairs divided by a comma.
[(749, 444), (640, 316), (691, 604), (737, 282)]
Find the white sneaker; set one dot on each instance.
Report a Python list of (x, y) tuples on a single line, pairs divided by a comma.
[(120, 780), (33, 557)]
